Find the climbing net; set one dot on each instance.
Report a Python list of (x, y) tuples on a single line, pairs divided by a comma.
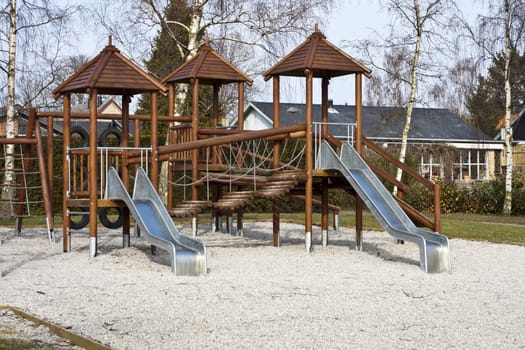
[(21, 192), (243, 160)]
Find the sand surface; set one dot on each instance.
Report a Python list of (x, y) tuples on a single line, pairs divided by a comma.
[(256, 296)]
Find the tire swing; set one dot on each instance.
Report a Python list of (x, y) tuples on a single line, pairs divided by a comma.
[(110, 137), (79, 136), (110, 217), (78, 220)]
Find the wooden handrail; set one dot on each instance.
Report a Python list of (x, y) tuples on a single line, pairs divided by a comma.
[(415, 215), (432, 187), (226, 139), (428, 184), (218, 132), (384, 174)]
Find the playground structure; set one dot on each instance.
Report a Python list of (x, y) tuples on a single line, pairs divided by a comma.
[(233, 166), (17, 199)]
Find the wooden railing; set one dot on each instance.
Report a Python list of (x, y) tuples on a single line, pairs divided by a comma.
[(180, 134), (434, 188)]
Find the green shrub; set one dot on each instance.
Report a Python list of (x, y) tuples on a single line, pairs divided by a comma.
[(478, 198)]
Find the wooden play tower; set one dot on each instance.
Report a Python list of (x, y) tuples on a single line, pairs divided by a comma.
[(109, 73), (318, 58)]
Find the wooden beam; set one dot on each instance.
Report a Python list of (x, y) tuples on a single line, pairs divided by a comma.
[(309, 160), (65, 171)]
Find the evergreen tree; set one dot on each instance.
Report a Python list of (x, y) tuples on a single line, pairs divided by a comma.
[(166, 54), (486, 102), (169, 52)]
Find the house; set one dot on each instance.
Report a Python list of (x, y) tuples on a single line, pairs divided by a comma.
[(517, 123), (110, 106), (22, 116), (107, 107), (109, 131), (473, 155)]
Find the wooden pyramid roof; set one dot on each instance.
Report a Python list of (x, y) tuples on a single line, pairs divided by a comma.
[(320, 56), (209, 67), (111, 73)]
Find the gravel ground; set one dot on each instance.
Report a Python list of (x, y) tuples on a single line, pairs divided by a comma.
[(256, 296)]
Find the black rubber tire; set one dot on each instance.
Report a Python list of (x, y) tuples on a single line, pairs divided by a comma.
[(111, 131), (82, 133), (103, 216), (83, 220)]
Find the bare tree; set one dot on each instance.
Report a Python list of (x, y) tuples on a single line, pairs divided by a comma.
[(23, 23), (388, 87), (452, 90)]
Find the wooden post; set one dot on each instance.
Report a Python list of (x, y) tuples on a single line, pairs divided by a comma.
[(66, 238), (126, 99), (324, 134), (358, 113), (171, 140), (194, 137), (48, 196), (437, 208), (195, 152), (309, 161), (154, 171), (240, 108), (50, 153), (92, 173), (240, 126), (359, 149), (276, 204), (324, 107), (171, 100), (215, 120)]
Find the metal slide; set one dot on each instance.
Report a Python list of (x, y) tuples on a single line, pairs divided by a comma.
[(433, 247), (188, 256)]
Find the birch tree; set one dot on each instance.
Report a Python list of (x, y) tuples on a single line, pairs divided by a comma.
[(22, 22), (416, 39), (502, 30)]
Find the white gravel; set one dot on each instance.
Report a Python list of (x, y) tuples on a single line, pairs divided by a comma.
[(256, 296)]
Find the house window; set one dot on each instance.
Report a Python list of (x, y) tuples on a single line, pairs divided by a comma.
[(470, 165), (430, 166)]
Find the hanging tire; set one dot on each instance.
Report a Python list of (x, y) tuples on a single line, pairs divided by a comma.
[(79, 137), (78, 221), (110, 137), (110, 217)]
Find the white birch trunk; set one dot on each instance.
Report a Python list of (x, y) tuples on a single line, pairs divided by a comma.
[(8, 191), (412, 98), (507, 204)]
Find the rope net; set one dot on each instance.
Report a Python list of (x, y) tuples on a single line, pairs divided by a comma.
[(20, 187), (242, 160)]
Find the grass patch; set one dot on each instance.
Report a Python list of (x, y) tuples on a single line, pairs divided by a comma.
[(476, 227)]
